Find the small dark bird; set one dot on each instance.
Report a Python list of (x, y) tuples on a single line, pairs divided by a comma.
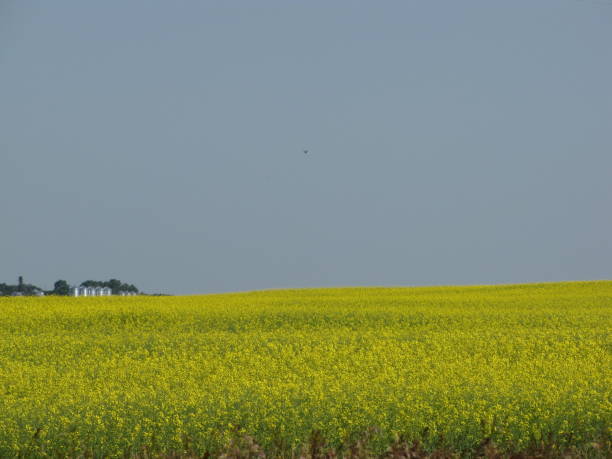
[(305, 152)]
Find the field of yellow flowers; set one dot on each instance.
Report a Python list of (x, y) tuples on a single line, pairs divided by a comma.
[(446, 366)]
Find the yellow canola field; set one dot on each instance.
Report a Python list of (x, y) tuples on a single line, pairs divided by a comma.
[(448, 366)]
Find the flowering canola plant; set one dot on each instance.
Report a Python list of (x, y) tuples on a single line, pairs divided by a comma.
[(447, 366)]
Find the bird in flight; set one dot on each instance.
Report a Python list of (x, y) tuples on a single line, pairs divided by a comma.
[(305, 152)]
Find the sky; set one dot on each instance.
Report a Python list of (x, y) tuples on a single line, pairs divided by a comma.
[(161, 143)]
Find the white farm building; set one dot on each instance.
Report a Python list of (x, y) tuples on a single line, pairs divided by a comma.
[(90, 291)]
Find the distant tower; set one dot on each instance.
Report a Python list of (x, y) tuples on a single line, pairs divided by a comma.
[(20, 288)]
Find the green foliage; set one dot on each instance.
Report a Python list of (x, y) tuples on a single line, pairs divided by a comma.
[(115, 285), (93, 283), (6, 289), (61, 287), (456, 368), (23, 289)]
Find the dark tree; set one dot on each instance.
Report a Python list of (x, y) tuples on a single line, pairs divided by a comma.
[(115, 285), (92, 283), (61, 287), (6, 289)]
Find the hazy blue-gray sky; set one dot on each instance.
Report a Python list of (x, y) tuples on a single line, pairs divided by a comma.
[(449, 142)]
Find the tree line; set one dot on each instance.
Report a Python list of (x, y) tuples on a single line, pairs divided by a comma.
[(62, 288), (115, 285)]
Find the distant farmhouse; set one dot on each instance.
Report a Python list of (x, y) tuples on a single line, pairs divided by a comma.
[(62, 288), (21, 289), (96, 291), (90, 291)]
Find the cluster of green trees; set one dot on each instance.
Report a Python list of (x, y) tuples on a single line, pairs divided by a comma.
[(60, 287), (21, 289), (115, 285)]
